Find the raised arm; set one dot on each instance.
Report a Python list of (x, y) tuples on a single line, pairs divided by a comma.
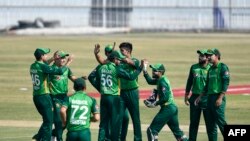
[(69, 60), (53, 58), (131, 62), (126, 75), (149, 79), (98, 57), (50, 70)]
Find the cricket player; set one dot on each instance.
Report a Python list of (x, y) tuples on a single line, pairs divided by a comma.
[(216, 87), (196, 82), (78, 112), (105, 78), (168, 113), (59, 89), (39, 72), (125, 120), (130, 93)]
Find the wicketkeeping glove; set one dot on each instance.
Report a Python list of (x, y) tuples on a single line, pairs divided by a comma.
[(151, 100), (153, 95), (150, 104)]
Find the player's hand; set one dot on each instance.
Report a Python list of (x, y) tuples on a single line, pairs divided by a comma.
[(56, 56), (70, 94), (125, 60), (97, 49), (70, 58), (186, 99), (218, 102), (84, 77), (144, 65)]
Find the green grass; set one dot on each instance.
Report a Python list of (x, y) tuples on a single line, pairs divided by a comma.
[(24, 134), (176, 51)]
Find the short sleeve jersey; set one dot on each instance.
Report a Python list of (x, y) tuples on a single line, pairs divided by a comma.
[(108, 78), (129, 84), (79, 109), (218, 79), (39, 74), (59, 83)]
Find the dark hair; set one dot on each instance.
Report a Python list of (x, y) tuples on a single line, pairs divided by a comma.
[(38, 54), (78, 88), (217, 53), (111, 58), (79, 84), (126, 45)]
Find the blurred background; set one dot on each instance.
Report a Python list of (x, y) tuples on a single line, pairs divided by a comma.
[(111, 16)]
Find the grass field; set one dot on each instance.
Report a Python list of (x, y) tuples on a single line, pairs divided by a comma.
[(176, 51)]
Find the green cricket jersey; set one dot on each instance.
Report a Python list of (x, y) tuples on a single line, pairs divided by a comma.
[(218, 79), (164, 89), (109, 84), (130, 84), (197, 78), (59, 83), (39, 72), (79, 109), (106, 78)]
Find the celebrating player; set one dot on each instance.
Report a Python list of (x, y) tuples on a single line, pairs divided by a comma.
[(129, 89), (39, 72), (105, 79), (168, 113), (59, 89), (130, 93)]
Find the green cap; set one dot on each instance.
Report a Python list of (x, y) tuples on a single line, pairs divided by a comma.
[(62, 54), (79, 84), (41, 51), (108, 48), (157, 67), (116, 54), (202, 51), (213, 51)]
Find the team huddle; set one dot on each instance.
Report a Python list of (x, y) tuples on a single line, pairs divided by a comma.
[(116, 79)]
